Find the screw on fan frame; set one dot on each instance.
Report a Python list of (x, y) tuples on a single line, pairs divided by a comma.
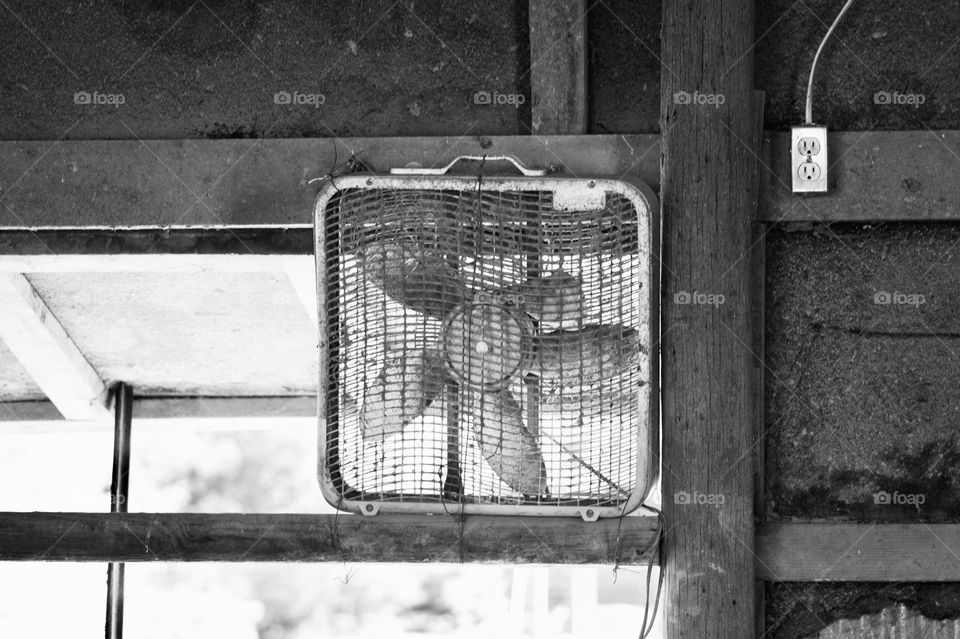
[(598, 473)]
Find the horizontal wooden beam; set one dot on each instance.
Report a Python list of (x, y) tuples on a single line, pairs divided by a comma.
[(115, 183), (785, 551), (158, 242), (147, 263), (234, 537), (224, 407), (858, 552), (876, 176), (165, 425), (36, 338), (205, 413), (166, 250)]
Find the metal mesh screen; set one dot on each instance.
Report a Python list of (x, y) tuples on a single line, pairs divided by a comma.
[(483, 348)]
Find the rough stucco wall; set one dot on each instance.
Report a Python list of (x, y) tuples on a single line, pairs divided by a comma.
[(211, 69), (862, 396)]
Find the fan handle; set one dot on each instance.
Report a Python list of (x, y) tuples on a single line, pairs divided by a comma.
[(443, 170)]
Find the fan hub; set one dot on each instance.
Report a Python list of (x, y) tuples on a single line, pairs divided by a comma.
[(486, 344)]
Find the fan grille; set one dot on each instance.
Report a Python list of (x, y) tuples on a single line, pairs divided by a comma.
[(579, 392)]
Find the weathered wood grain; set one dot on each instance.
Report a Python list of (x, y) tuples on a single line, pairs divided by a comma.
[(858, 552), (296, 537), (55, 248), (708, 195), (785, 551), (159, 409), (558, 66), (758, 267), (119, 183), (874, 176), (38, 340)]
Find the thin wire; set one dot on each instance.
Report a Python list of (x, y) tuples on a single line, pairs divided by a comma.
[(461, 498), (336, 170), (616, 548), (813, 66), (335, 536), (463, 525), (645, 630), (647, 613)]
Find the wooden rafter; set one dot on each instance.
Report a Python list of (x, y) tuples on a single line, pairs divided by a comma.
[(209, 410), (36, 338)]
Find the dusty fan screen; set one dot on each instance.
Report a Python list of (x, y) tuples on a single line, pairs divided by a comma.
[(483, 348)]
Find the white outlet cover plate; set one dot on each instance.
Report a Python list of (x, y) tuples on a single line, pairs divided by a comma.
[(808, 145)]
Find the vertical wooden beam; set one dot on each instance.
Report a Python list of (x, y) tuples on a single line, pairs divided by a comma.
[(708, 193), (758, 269), (558, 66), (38, 341)]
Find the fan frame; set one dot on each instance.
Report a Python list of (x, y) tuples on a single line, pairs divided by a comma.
[(648, 453)]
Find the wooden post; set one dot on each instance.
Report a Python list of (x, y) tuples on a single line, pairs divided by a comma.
[(558, 66), (708, 193)]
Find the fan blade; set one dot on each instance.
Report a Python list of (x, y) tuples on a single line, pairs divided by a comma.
[(507, 445), (554, 299), (584, 356), (405, 387), (419, 279)]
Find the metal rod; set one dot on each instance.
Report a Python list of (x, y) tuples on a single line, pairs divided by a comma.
[(453, 483), (120, 482), (534, 270), (114, 628)]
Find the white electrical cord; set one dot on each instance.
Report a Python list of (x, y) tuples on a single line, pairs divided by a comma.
[(817, 56)]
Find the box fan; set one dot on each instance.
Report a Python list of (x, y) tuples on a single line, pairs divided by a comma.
[(486, 341)]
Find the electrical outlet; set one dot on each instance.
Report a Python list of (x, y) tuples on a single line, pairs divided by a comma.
[(809, 145), (808, 153), (809, 171)]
